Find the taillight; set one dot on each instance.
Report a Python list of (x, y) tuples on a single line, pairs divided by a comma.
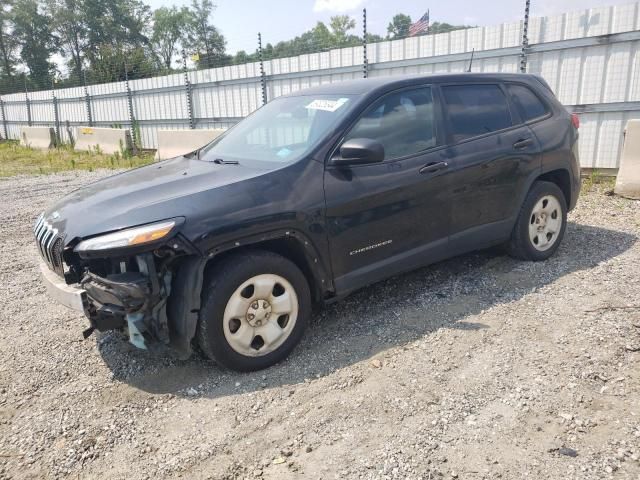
[(575, 120)]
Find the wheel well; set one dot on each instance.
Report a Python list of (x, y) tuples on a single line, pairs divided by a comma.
[(289, 248), (562, 179)]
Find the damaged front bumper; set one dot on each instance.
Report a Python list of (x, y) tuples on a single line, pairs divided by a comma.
[(68, 295), (117, 303), (132, 301)]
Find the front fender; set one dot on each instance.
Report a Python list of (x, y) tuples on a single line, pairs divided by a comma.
[(318, 266), (183, 305)]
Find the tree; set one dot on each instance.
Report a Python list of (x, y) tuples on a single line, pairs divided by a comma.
[(7, 46), (204, 38), (340, 25), (243, 57), (169, 32), (118, 34), (437, 27), (319, 38), (34, 33), (399, 26), (117, 65), (69, 26)]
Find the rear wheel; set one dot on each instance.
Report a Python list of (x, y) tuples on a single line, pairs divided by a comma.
[(541, 223), (255, 309)]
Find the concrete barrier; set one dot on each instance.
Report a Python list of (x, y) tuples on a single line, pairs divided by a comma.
[(106, 140), (173, 143), (628, 180), (37, 137)]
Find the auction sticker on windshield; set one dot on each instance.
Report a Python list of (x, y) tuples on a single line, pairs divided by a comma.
[(327, 105)]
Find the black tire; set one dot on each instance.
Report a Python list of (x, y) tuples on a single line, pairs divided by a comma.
[(224, 279), (520, 245)]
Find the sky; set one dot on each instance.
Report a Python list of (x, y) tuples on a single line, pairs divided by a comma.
[(277, 20)]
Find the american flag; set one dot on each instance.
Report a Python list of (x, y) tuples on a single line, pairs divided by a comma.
[(420, 26)]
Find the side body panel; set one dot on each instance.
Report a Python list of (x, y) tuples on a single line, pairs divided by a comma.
[(488, 175), (559, 141), (386, 218), (288, 202)]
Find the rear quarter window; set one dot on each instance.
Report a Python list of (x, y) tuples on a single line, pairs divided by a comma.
[(527, 102), (475, 110)]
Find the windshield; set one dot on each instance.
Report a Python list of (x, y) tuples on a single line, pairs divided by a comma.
[(282, 131)]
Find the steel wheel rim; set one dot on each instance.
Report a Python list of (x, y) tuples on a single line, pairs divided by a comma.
[(260, 315), (545, 223)]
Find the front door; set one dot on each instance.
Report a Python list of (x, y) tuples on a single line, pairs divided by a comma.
[(392, 216)]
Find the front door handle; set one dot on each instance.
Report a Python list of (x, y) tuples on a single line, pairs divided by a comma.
[(523, 143), (433, 167)]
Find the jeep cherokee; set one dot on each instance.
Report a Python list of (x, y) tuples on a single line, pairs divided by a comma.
[(314, 195)]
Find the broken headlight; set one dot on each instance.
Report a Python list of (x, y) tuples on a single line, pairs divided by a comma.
[(130, 237)]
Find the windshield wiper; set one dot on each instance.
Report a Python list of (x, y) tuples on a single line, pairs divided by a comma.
[(220, 161)]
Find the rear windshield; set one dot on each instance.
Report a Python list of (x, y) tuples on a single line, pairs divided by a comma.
[(282, 131)]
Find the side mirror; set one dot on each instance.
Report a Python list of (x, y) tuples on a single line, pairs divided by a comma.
[(359, 151)]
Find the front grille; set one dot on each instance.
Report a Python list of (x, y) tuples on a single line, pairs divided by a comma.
[(49, 244)]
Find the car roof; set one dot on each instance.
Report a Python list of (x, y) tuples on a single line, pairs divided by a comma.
[(375, 84)]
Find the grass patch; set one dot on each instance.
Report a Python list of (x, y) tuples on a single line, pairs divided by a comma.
[(16, 159), (594, 180)]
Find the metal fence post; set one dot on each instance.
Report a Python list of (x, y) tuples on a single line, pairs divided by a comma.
[(525, 38), (365, 62), (87, 101), (132, 118), (263, 79), (187, 84), (4, 120), (27, 102), (56, 113)]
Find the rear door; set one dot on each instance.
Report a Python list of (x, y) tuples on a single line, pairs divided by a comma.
[(388, 217), (492, 157)]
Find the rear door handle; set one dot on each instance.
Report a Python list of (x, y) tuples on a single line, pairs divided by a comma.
[(433, 167), (523, 143)]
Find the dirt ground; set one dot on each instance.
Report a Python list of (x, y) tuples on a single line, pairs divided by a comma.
[(477, 367)]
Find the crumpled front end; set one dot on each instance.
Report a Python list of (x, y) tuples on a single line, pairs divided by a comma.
[(132, 300), (124, 289)]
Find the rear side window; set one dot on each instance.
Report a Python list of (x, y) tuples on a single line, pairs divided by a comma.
[(527, 102), (402, 121), (476, 110)]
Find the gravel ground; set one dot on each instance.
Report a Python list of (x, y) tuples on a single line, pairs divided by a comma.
[(477, 367)]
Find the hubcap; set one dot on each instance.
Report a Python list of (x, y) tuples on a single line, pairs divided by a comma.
[(545, 223), (260, 315)]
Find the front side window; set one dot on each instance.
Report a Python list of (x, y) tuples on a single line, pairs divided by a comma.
[(282, 131), (403, 122), (475, 110), (526, 102)]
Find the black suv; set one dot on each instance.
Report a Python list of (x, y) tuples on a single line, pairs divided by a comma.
[(314, 195)]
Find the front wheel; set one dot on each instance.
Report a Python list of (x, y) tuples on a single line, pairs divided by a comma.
[(541, 223), (255, 309)]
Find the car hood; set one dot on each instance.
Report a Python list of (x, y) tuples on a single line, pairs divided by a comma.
[(143, 195)]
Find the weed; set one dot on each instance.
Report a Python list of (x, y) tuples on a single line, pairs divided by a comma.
[(16, 159)]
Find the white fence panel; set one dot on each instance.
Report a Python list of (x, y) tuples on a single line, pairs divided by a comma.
[(590, 58)]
